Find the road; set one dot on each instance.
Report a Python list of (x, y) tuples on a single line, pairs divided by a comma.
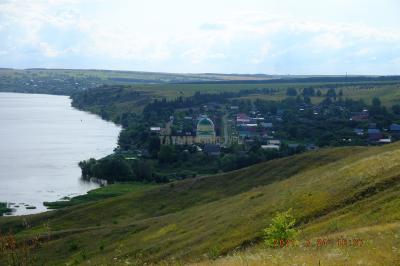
[(226, 133)]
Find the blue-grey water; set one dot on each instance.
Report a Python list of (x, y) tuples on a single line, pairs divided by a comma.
[(42, 139)]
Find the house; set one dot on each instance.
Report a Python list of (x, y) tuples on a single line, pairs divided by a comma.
[(265, 135), (385, 141), (274, 142), (250, 125), (198, 148), (212, 149), (248, 133), (374, 134), (213, 106), (234, 107), (142, 153), (293, 146), (372, 125), (360, 116), (155, 129), (359, 131), (247, 130), (242, 118), (311, 147), (270, 147), (395, 129), (267, 125)]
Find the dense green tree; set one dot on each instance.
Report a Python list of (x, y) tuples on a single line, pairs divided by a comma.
[(396, 109), (309, 92), (281, 229), (113, 168), (331, 93), (376, 101), (143, 170), (87, 167), (291, 92), (167, 154), (154, 146)]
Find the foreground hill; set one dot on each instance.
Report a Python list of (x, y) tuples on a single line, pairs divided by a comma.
[(347, 192)]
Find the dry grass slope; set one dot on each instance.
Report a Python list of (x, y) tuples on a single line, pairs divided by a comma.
[(332, 192)]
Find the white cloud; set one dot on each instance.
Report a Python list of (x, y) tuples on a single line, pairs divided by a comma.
[(363, 51), (264, 52), (240, 41), (47, 50), (212, 26), (328, 40)]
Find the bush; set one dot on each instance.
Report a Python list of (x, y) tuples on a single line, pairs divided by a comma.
[(281, 229), (13, 252), (213, 253), (4, 209), (111, 168)]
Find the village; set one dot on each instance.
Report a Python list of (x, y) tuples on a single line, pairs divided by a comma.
[(211, 133), (216, 126)]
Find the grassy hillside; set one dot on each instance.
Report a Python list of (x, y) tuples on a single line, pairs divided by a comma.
[(332, 191), (379, 247)]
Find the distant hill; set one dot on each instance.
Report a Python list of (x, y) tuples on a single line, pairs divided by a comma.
[(68, 81), (338, 192)]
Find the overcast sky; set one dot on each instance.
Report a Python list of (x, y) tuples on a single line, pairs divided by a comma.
[(226, 36)]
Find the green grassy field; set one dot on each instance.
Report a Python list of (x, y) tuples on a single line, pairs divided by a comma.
[(172, 85), (355, 91), (340, 191), (388, 93)]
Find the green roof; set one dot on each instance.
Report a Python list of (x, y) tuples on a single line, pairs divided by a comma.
[(205, 127), (205, 122)]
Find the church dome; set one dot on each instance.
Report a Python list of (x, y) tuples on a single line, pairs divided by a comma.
[(205, 127)]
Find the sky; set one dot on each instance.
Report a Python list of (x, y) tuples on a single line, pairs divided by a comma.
[(197, 36)]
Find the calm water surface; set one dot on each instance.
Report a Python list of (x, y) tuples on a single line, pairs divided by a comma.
[(42, 138)]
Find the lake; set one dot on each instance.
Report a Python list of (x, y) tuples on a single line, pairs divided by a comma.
[(42, 139)]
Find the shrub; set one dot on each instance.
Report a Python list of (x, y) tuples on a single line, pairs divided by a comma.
[(18, 253), (73, 246), (281, 229), (4, 208), (213, 253)]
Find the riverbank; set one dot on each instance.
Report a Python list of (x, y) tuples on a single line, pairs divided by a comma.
[(97, 194)]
